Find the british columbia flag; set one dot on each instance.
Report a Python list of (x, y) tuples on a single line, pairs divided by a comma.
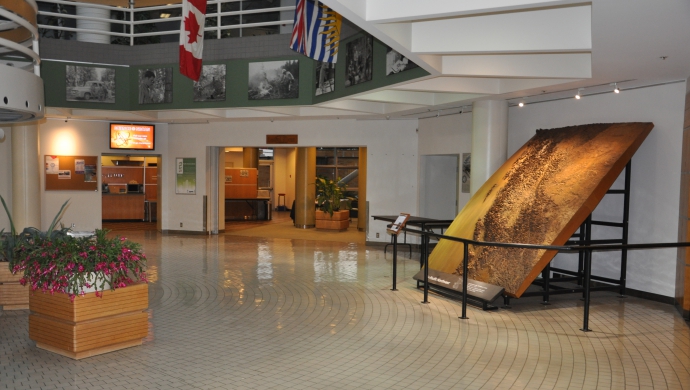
[(316, 32)]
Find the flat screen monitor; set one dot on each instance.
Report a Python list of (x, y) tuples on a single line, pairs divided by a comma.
[(132, 136)]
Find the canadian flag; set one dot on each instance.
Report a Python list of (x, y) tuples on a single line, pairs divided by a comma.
[(192, 37)]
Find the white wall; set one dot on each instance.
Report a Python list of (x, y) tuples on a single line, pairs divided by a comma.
[(451, 134), (655, 174), (392, 160), (6, 175), (85, 138)]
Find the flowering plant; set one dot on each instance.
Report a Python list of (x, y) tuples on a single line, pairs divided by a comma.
[(53, 261)]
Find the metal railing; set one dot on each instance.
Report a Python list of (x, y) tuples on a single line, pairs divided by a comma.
[(215, 22), (587, 249)]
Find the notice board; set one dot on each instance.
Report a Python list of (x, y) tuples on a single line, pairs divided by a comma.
[(71, 173)]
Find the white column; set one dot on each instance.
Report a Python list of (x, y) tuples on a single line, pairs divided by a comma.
[(93, 12), (26, 184), (489, 140)]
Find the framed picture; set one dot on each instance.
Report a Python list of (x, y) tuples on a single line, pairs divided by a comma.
[(325, 78), (396, 62), (359, 60), (273, 80), (466, 169), (155, 85), (89, 84), (211, 84)]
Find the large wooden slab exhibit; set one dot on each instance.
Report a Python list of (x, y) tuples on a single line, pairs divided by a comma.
[(541, 195), (90, 325)]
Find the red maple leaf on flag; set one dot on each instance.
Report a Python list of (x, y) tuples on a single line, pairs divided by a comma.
[(191, 25)]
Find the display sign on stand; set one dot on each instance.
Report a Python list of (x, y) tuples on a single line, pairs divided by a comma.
[(399, 224)]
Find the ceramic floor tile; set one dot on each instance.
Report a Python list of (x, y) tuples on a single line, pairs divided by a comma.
[(231, 312)]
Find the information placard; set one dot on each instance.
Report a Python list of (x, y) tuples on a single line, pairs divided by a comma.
[(399, 223)]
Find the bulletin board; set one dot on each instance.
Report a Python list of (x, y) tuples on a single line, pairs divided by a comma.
[(71, 173)]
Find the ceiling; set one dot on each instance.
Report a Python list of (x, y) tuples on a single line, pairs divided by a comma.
[(515, 50)]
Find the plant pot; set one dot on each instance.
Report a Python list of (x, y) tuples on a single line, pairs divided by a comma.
[(13, 296), (89, 325), (340, 220)]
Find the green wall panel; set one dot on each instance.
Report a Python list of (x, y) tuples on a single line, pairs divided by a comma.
[(127, 89)]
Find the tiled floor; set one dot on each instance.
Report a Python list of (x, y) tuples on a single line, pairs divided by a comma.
[(233, 312)]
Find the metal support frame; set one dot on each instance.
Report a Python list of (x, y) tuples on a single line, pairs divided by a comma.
[(583, 237)]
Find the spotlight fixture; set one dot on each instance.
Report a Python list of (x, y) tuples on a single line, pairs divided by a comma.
[(521, 104), (579, 93), (438, 113), (616, 90)]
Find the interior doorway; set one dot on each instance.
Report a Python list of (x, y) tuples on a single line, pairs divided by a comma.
[(130, 191), (438, 195)]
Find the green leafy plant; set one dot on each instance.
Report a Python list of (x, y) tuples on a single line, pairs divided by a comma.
[(56, 262), (328, 195)]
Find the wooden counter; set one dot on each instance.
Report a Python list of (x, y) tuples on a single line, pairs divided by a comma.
[(123, 206)]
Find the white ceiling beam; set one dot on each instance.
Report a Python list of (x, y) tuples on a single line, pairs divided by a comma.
[(538, 31), (387, 11), (108, 114), (393, 108), (393, 96), (285, 110), (247, 113), (512, 85), (562, 65), (183, 114), (356, 105), (482, 86), (324, 111)]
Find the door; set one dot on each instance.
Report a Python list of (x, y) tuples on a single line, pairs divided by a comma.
[(439, 186)]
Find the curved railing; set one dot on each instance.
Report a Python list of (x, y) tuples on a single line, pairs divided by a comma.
[(222, 17), (587, 249), (21, 89)]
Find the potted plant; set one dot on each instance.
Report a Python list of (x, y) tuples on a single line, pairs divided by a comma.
[(328, 196), (88, 294)]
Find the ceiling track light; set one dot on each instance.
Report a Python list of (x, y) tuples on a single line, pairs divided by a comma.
[(579, 93), (615, 89), (521, 104)]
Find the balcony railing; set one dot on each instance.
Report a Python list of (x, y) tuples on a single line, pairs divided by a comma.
[(133, 26)]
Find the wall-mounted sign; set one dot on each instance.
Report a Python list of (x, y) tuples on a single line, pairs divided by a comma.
[(185, 169), (132, 136), (285, 139)]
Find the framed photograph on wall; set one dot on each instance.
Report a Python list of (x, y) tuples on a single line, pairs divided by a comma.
[(89, 84), (325, 78), (211, 84), (396, 62), (273, 80), (359, 61), (155, 85), (466, 169)]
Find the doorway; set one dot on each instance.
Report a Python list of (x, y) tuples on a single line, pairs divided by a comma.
[(130, 192)]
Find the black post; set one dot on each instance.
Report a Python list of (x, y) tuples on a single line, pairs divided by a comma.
[(581, 254), (588, 253), (426, 269), (465, 261), (395, 262), (546, 277), (626, 216), (588, 274)]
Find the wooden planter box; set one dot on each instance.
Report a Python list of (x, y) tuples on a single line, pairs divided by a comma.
[(13, 296), (90, 325), (340, 220)]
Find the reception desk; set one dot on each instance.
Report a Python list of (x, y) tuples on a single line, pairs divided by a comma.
[(123, 206)]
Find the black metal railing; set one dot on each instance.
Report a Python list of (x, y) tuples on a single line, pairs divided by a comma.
[(586, 249)]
